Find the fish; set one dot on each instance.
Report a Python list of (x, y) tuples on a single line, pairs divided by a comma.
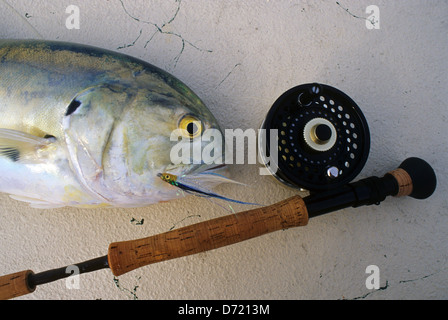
[(86, 127)]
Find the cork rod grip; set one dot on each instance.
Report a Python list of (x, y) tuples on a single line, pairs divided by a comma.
[(15, 285), (208, 235)]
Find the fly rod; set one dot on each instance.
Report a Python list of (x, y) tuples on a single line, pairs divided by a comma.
[(414, 178)]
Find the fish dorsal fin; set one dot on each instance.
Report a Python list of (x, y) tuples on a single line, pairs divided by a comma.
[(21, 146)]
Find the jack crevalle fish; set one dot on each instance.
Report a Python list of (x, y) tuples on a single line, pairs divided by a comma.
[(86, 127)]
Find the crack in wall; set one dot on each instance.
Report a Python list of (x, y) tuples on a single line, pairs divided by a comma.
[(162, 30), (132, 292), (137, 222), (23, 18), (191, 216), (369, 293), (132, 43), (421, 278), (225, 78), (399, 282), (372, 21)]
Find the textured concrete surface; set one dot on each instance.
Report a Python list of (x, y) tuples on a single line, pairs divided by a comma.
[(239, 56)]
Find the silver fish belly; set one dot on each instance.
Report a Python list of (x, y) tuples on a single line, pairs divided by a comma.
[(86, 127)]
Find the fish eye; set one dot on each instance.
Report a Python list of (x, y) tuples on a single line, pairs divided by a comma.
[(191, 126)]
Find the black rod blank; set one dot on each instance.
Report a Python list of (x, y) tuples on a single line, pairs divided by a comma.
[(65, 272)]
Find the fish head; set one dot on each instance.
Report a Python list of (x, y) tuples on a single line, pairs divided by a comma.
[(120, 137)]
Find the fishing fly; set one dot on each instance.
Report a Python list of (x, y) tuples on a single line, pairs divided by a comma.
[(190, 184)]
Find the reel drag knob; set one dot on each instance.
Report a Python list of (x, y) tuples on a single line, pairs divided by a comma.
[(323, 137), (320, 134)]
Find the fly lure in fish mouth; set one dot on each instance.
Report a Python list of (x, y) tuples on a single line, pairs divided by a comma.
[(190, 184)]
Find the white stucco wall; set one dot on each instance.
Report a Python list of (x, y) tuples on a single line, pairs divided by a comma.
[(239, 56)]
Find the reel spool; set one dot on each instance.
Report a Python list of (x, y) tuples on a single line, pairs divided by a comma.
[(323, 138)]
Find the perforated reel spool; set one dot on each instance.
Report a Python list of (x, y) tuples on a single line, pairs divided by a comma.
[(323, 138)]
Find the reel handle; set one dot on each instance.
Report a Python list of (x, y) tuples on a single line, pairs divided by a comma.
[(414, 177), (422, 176)]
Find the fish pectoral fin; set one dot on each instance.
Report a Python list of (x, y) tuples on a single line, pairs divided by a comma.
[(21, 146)]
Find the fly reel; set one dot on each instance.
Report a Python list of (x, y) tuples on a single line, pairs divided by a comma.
[(323, 138)]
